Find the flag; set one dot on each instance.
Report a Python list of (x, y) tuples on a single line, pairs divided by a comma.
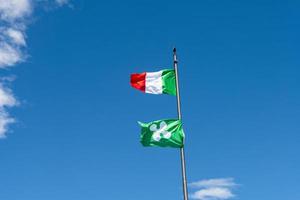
[(161, 82), (162, 133)]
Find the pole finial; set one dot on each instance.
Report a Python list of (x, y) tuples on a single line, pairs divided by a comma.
[(174, 55)]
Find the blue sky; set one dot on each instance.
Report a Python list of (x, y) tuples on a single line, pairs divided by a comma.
[(76, 136)]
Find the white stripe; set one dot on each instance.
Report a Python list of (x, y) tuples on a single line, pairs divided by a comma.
[(154, 82)]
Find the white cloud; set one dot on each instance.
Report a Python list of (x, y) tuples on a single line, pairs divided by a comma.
[(13, 14), (5, 120), (212, 193), (9, 55), (7, 99), (11, 10), (213, 189), (16, 36), (218, 182)]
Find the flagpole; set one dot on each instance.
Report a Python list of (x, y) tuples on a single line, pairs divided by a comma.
[(182, 154)]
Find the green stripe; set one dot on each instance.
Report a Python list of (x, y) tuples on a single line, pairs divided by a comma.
[(169, 82)]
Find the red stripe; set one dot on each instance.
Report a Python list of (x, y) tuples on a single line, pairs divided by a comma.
[(138, 81)]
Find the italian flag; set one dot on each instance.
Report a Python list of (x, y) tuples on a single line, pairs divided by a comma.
[(161, 82)]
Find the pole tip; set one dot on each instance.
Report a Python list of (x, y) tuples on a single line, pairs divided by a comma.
[(174, 49)]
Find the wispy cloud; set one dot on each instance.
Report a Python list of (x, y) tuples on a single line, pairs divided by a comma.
[(218, 182), (14, 15), (213, 189), (16, 36), (7, 100), (12, 10)]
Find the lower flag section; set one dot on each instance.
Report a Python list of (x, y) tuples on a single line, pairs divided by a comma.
[(162, 133)]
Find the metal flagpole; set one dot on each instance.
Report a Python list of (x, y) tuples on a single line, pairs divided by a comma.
[(182, 156)]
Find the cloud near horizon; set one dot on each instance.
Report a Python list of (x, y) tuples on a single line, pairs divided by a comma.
[(213, 189)]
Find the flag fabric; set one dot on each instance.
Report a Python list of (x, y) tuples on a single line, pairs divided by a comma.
[(161, 82), (162, 133)]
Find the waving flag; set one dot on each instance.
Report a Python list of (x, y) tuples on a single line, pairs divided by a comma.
[(162, 133), (161, 82)]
